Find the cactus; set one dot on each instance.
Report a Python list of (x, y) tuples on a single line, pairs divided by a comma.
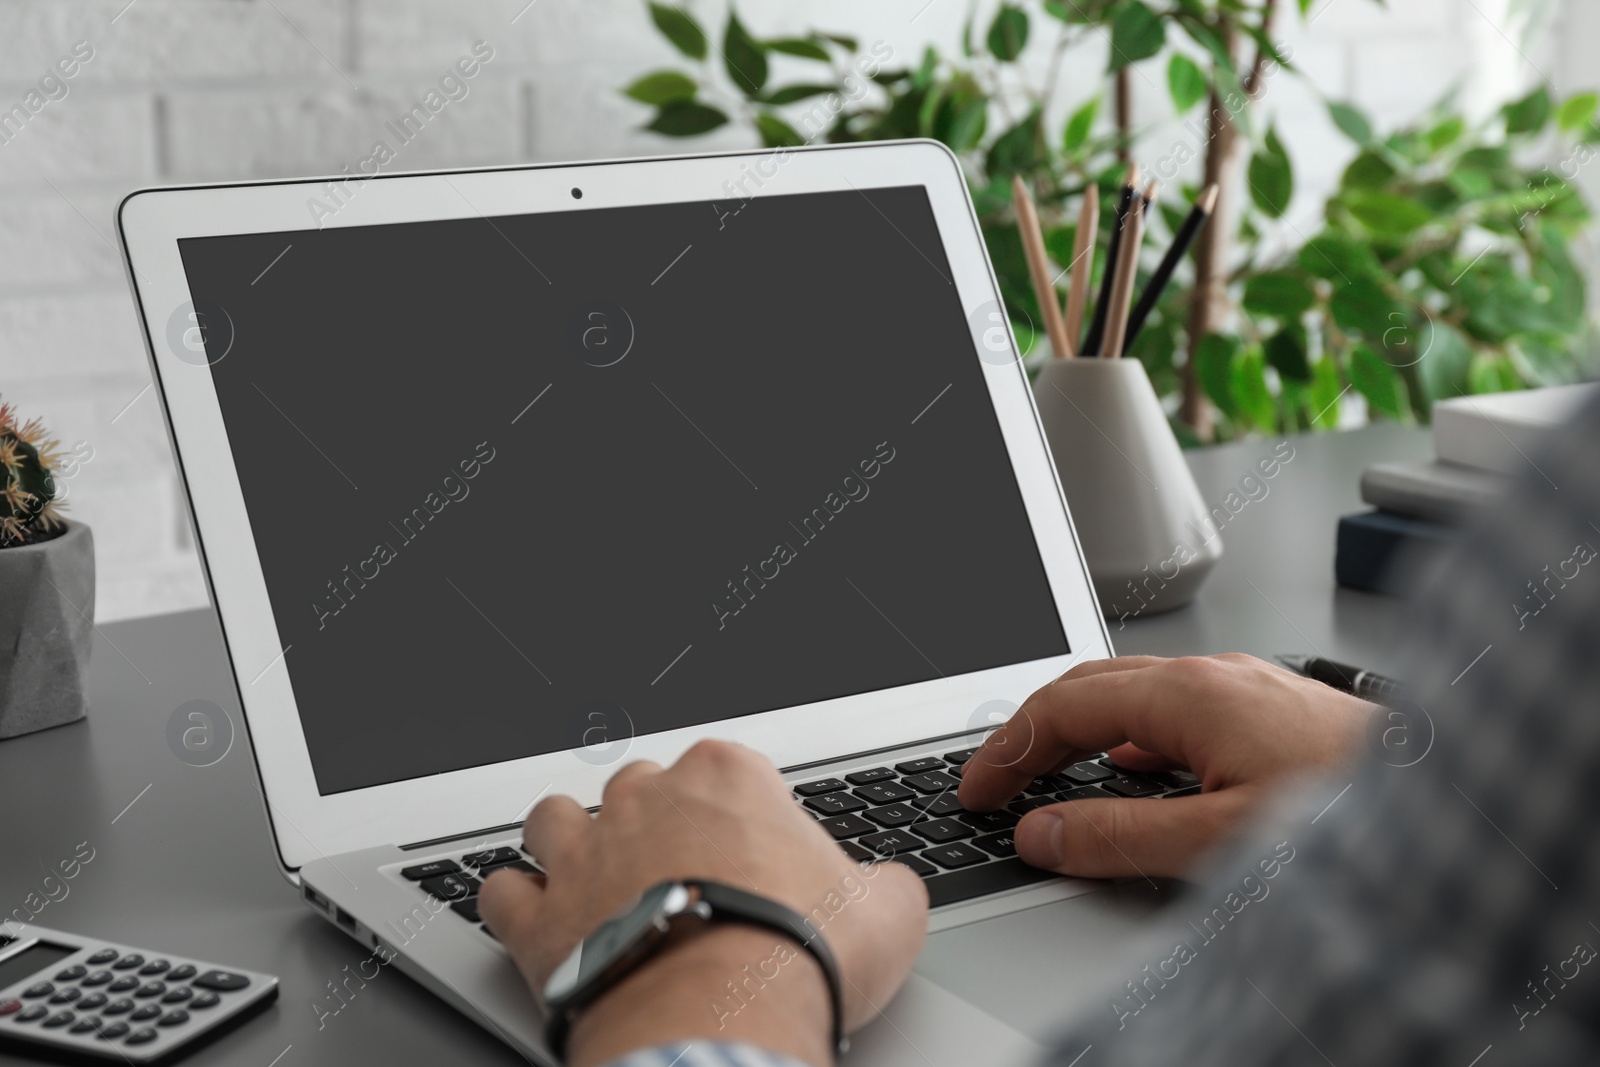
[(28, 461)]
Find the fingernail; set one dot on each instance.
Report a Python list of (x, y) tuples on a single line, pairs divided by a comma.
[(1039, 839)]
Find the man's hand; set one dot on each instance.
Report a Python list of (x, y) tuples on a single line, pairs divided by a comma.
[(720, 813), (1235, 721)]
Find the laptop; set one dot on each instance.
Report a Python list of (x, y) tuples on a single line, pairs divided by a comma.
[(505, 477)]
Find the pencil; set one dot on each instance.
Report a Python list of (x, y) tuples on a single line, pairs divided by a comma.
[(1150, 190), (1097, 328), (1182, 241), (1082, 262), (1044, 288), (1122, 289)]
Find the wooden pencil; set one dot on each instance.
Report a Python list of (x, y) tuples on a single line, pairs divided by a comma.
[(1044, 289), (1097, 328), (1182, 241), (1122, 288), (1082, 265)]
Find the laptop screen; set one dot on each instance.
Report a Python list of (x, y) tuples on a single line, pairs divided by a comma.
[(543, 482)]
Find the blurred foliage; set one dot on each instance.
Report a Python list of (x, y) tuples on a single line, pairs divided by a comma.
[(1443, 264)]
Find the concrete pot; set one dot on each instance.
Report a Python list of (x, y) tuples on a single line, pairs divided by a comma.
[(1147, 535), (46, 631)]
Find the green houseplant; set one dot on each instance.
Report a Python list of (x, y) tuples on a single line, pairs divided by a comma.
[(46, 586), (1442, 265)]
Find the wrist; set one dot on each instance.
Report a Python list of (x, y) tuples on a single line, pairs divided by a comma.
[(717, 983)]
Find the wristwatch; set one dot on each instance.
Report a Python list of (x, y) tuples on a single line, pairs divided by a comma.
[(625, 941)]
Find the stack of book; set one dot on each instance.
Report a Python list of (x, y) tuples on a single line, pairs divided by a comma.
[(1480, 444)]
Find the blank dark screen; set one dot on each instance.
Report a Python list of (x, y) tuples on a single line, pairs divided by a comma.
[(537, 482), (30, 961)]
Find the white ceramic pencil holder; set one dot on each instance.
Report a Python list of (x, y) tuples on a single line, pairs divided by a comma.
[(1146, 533)]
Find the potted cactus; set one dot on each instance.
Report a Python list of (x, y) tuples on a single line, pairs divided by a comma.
[(46, 586)]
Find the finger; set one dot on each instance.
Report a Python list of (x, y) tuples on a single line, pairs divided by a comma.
[(557, 832), (1083, 714), (510, 902), (1129, 838), (627, 781), (1134, 758)]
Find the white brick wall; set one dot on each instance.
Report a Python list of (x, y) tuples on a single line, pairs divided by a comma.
[(215, 89)]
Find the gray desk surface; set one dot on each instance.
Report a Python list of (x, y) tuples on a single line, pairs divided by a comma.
[(182, 858)]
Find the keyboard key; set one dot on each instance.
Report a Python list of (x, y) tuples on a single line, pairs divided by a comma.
[(146, 1011), (105, 955), (60, 1018), (843, 826), (72, 974), (884, 792), (182, 972), (1192, 790), (940, 804), (66, 996), (36, 1012), (85, 1024), (112, 1032), (151, 989), (892, 843), (1084, 792), (225, 981), (958, 758), (867, 777), (492, 857), (155, 967), (430, 870), (1087, 773), (38, 989), (821, 785), (92, 1002), (517, 865), (447, 887), (988, 822), (128, 962), (1132, 787), (980, 880), (1044, 786), (1022, 807), (178, 995), (932, 782), (175, 1017), (857, 853), (918, 766), (1173, 779), (141, 1037), (123, 984), (98, 978), (205, 1000), (467, 909), (940, 831), (954, 856), (921, 866), (835, 803), (117, 1007), (892, 815), (1001, 844)]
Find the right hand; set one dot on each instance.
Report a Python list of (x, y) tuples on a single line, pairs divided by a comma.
[(1238, 723)]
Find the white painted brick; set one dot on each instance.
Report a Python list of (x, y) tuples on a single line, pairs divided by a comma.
[(125, 592), (134, 514), (69, 336), (420, 35), (79, 137), (251, 134), (129, 427), (1347, 18), (48, 239), (1395, 81)]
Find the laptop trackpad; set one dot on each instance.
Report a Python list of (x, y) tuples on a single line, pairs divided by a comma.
[(928, 1026), (1033, 969)]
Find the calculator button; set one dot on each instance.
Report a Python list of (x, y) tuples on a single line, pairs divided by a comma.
[(205, 1000), (105, 955), (148, 1011), (115, 1030), (128, 962), (117, 1007), (224, 981), (429, 870), (98, 978), (175, 1017), (151, 989), (140, 1037), (181, 972), (85, 1024), (92, 1001), (37, 1011), (66, 996), (72, 974), (38, 989), (60, 1018), (177, 996), (123, 984), (154, 967), (10, 1005)]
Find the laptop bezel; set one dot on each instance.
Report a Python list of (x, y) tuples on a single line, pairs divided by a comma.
[(307, 824)]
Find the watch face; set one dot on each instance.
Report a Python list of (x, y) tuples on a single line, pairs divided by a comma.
[(613, 938)]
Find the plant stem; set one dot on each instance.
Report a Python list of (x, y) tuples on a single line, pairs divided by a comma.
[(1124, 105)]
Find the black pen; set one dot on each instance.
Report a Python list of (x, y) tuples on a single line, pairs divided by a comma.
[(1362, 683)]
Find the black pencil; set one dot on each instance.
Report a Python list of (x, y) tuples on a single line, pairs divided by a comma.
[(1102, 306), (1181, 243)]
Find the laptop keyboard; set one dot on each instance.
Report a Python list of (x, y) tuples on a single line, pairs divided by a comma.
[(906, 813)]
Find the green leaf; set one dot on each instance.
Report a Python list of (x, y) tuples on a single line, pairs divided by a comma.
[(1380, 383), (1286, 353), (1018, 150), (1187, 82), (1272, 177), (1323, 408), (1008, 33), (1493, 373), (1444, 365), (1388, 213), (776, 133), (1362, 306), (804, 47), (1079, 125), (745, 59), (1578, 111), (662, 87), (849, 44), (1351, 122), (924, 73), (1136, 33), (967, 128), (790, 93), (1529, 114), (683, 118), (1213, 368), (1369, 170), (679, 28), (1252, 398), (1283, 295), (1446, 133)]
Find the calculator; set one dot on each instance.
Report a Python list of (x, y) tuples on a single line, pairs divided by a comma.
[(73, 994)]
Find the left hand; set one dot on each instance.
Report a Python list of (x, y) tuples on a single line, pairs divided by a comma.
[(721, 813)]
